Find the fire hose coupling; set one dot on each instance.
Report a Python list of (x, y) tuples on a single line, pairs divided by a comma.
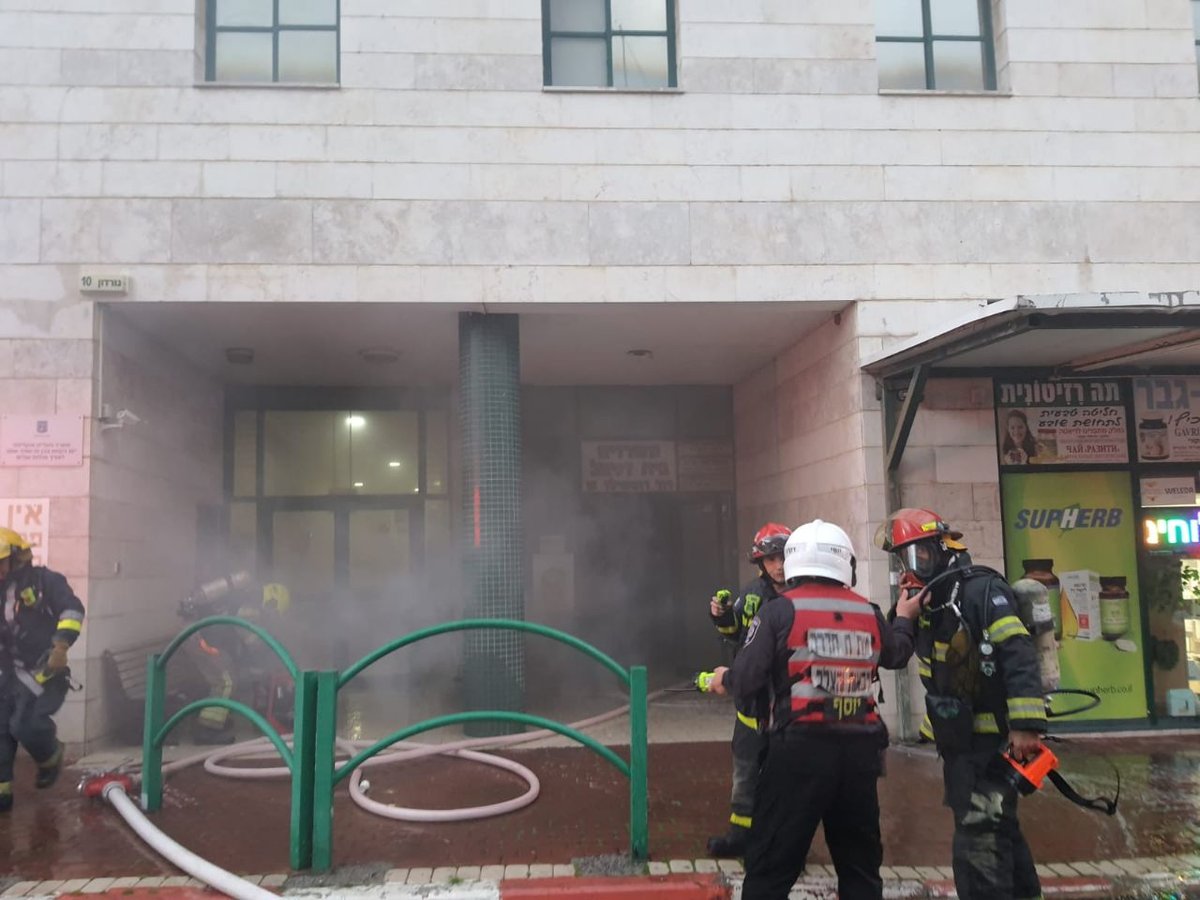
[(94, 787), (703, 682)]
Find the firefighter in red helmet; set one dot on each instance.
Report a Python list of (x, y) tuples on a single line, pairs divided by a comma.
[(732, 616), (983, 695)]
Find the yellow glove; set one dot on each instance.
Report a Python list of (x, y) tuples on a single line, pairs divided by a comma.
[(57, 661)]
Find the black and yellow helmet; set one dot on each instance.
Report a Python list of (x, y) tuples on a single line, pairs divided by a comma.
[(276, 595), (14, 546)]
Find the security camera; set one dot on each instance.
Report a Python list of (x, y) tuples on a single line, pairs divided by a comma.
[(119, 419)]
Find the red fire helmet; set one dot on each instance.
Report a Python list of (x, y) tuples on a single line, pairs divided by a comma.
[(769, 540), (908, 525)]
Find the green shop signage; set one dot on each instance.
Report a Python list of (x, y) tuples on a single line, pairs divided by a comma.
[(1076, 533)]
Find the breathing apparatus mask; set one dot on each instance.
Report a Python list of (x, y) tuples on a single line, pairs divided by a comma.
[(923, 560)]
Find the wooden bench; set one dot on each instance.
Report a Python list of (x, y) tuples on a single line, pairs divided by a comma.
[(125, 687)]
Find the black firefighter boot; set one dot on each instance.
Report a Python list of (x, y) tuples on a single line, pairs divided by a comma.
[(47, 772), (730, 844)]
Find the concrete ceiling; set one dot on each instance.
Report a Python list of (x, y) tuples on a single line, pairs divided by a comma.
[(561, 344)]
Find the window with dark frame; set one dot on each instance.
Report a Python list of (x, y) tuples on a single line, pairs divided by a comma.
[(943, 45), (1196, 28), (272, 41), (623, 44)]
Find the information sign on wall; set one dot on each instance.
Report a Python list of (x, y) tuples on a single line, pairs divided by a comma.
[(41, 440), (628, 467), (1044, 423)]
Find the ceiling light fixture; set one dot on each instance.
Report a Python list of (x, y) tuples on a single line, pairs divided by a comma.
[(239, 356), (378, 356), (640, 353), (355, 421), (394, 464)]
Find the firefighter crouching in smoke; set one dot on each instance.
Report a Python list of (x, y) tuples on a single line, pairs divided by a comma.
[(732, 618), (979, 667), (818, 649), (42, 618), (223, 654)]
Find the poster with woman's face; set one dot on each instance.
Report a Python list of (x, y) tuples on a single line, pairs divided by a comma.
[(1044, 423)]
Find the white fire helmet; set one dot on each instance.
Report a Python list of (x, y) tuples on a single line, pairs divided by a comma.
[(819, 550)]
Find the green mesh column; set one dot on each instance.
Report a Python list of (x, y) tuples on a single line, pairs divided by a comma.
[(490, 407)]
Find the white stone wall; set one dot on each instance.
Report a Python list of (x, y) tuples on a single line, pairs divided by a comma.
[(809, 436), (441, 169), (149, 479), (46, 353)]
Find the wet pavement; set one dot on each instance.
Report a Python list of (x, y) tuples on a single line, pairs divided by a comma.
[(582, 811)]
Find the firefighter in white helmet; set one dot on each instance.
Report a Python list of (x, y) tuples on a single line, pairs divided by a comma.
[(819, 652)]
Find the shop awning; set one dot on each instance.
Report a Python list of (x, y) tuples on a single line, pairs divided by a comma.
[(1071, 334)]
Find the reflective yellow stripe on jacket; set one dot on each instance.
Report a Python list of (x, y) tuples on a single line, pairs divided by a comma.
[(1027, 708), (1004, 628), (984, 723)]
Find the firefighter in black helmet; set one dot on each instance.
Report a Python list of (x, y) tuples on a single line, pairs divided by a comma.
[(41, 619), (732, 617)]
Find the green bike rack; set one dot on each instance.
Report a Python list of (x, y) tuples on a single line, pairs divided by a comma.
[(298, 758), (635, 770), (312, 757)]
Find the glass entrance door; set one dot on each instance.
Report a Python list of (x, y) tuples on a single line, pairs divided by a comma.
[(348, 569)]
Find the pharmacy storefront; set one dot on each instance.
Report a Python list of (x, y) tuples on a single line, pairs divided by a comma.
[(1098, 467), (1094, 510)]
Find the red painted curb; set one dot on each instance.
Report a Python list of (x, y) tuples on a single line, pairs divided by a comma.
[(669, 887), (160, 893)]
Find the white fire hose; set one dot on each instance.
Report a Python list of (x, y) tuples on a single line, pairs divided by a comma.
[(113, 789), (196, 866)]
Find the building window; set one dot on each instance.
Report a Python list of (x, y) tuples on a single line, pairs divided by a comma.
[(943, 45), (1196, 23), (609, 43), (286, 41)]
